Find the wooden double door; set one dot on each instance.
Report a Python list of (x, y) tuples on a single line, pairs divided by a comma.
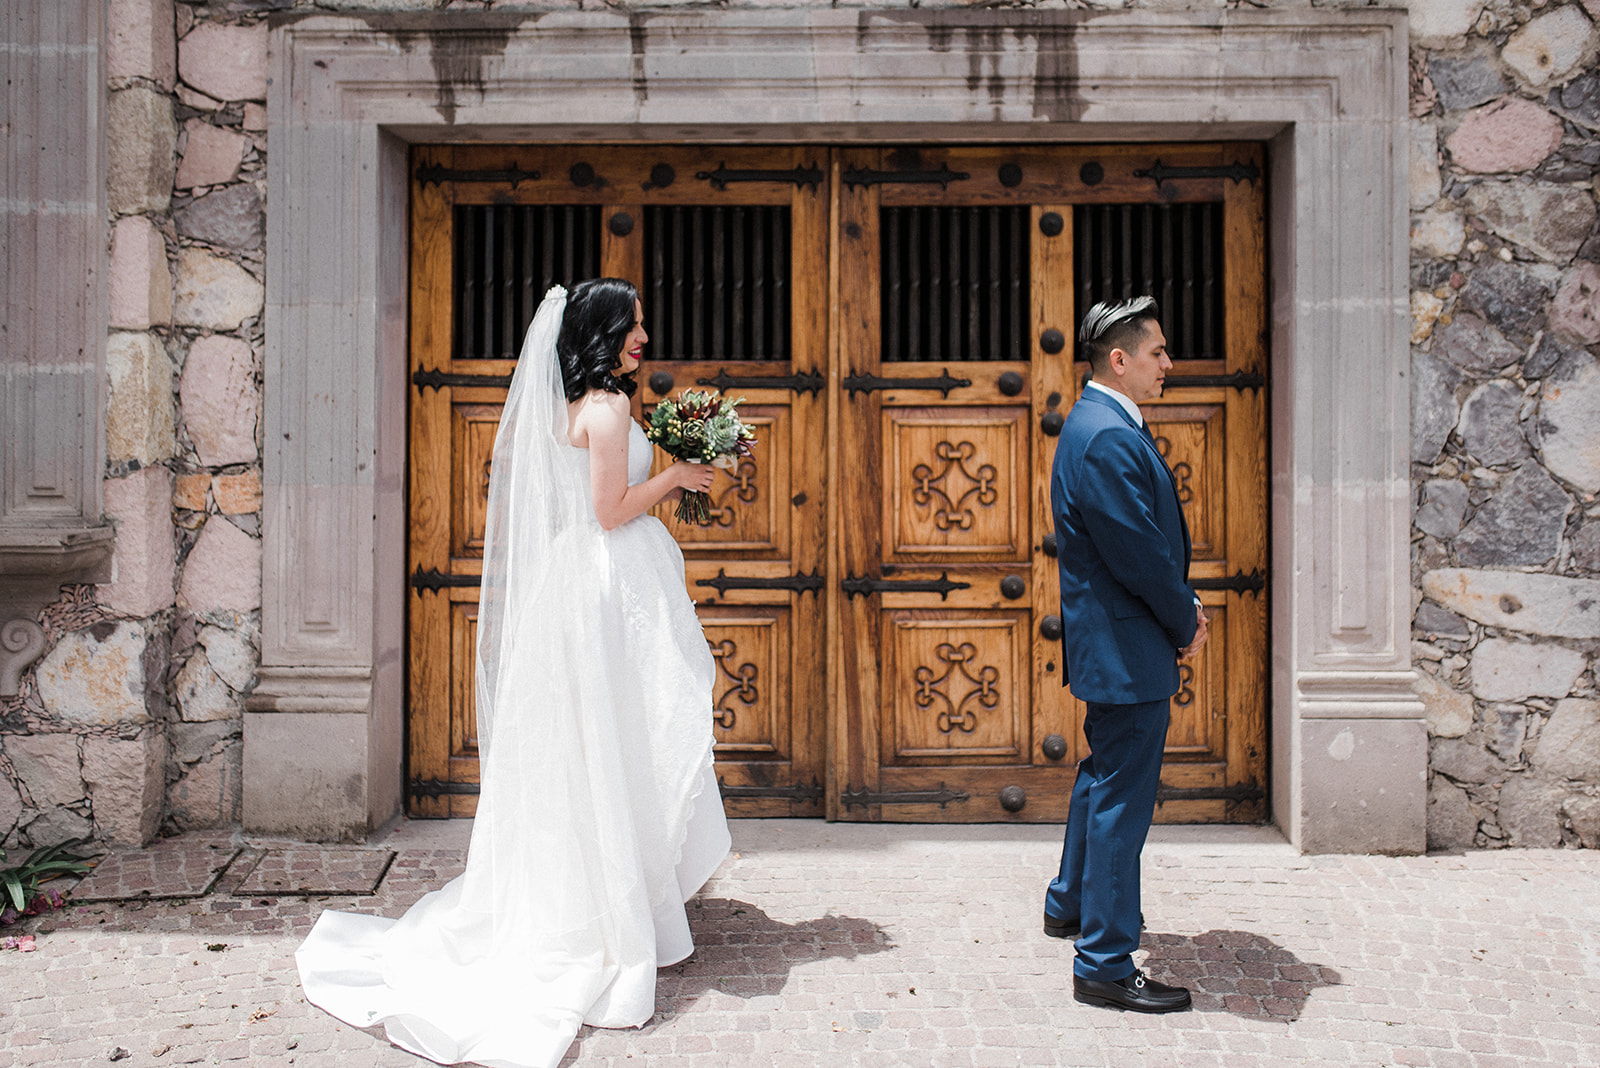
[(878, 583)]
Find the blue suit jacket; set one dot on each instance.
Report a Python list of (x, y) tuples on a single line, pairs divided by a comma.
[(1123, 552)]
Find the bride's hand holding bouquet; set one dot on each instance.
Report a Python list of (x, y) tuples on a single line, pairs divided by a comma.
[(700, 427)]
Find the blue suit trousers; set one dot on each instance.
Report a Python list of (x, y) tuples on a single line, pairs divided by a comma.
[(1113, 802)]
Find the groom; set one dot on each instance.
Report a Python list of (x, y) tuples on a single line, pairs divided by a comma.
[(1128, 617)]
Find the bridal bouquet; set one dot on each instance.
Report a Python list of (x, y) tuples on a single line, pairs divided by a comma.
[(704, 428)]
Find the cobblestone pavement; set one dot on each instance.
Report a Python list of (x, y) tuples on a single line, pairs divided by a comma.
[(844, 945)]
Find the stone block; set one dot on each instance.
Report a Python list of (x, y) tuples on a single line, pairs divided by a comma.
[(1425, 183), (1441, 22), (1569, 422), (1551, 605), (1449, 712), (1583, 812), (1586, 546), (10, 810), (1451, 822), (189, 491), (227, 62), (221, 400), (48, 767), (255, 118), (1509, 135), (1437, 234), (55, 825), (1575, 312), (140, 42), (1580, 99), (96, 676), (1444, 503), (1569, 745), (211, 155), (1548, 355), (139, 419), (1434, 409), (1466, 760), (214, 293), (1514, 671), (1425, 309), (232, 655), (141, 140), (144, 565), (1520, 526), (1437, 622), (1551, 46), (126, 780), (1530, 812), (1551, 221), (237, 494), (1364, 786), (230, 217), (140, 285), (1489, 428), (1473, 344), (202, 695), (305, 775), (207, 793), (201, 741), (1510, 296), (223, 571), (1465, 81)]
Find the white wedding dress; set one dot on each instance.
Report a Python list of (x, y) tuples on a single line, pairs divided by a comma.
[(599, 814)]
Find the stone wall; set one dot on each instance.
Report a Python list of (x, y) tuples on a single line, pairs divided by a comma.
[(1505, 419)]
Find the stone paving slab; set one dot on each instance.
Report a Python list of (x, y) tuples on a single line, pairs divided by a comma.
[(309, 871), (184, 867), (859, 946)]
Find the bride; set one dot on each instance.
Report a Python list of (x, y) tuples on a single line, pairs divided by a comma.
[(599, 814)]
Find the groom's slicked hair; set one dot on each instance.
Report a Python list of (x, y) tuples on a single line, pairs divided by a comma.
[(598, 319), (1110, 326)]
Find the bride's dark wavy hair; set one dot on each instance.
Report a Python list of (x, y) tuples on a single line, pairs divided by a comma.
[(598, 318)]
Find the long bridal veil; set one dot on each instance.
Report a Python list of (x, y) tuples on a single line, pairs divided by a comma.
[(593, 709)]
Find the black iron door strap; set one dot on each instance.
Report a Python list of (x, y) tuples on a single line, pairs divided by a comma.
[(1160, 172), (801, 583), (801, 793), (942, 585), (435, 174), (810, 174), (862, 797), (435, 580), (860, 383), (431, 379), (1240, 380), (1254, 582), (436, 789), (867, 176), (801, 382)]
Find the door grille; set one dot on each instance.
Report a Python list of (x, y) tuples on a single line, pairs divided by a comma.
[(716, 283), (506, 256), (955, 283), (1172, 252)]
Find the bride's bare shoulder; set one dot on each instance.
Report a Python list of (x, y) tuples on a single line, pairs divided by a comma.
[(598, 412)]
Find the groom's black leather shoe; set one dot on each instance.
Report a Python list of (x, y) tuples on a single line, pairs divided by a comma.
[(1137, 992)]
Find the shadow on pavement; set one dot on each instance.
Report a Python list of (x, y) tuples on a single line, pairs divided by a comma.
[(1237, 972), (740, 950)]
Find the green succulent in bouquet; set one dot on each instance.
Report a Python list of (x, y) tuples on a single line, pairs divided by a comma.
[(702, 427)]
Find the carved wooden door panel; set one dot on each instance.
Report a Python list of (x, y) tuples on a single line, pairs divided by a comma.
[(961, 276), (729, 250)]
